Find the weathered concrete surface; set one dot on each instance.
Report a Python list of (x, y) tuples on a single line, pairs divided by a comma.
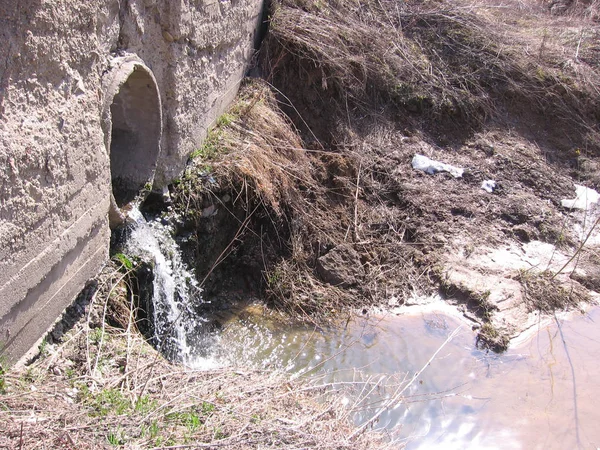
[(176, 65)]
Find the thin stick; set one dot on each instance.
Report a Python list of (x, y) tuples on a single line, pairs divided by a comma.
[(396, 398), (356, 237), (573, 379), (578, 250), (579, 44)]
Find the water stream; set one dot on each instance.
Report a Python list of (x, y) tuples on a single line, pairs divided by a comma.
[(538, 395), (179, 330)]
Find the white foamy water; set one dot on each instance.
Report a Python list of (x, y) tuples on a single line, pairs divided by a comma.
[(178, 327)]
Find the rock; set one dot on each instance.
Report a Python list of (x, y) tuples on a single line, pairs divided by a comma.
[(588, 276), (168, 36), (209, 211), (341, 266)]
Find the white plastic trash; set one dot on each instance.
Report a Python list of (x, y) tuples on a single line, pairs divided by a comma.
[(488, 186), (430, 166)]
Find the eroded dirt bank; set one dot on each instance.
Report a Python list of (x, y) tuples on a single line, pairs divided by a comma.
[(305, 194)]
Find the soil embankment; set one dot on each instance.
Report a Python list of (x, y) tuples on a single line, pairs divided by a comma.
[(305, 191)]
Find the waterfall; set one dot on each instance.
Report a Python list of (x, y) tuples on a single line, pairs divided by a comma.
[(178, 328)]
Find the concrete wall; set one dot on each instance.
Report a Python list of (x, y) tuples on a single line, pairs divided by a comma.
[(79, 77)]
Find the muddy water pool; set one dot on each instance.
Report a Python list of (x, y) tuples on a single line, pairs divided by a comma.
[(542, 394)]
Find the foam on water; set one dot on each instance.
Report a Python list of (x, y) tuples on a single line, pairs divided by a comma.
[(178, 327)]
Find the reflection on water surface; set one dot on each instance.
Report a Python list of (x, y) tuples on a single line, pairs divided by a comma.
[(539, 395)]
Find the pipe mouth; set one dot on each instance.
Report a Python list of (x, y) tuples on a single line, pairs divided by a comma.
[(132, 124)]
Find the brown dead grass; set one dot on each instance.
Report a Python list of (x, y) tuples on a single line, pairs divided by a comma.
[(452, 63), (544, 293), (299, 203), (318, 156)]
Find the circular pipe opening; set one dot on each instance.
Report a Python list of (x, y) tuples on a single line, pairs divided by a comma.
[(132, 122)]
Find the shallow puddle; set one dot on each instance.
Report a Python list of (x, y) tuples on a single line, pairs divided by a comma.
[(539, 395)]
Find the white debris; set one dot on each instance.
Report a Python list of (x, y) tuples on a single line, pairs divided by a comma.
[(488, 186), (393, 301), (584, 198), (209, 211), (429, 166)]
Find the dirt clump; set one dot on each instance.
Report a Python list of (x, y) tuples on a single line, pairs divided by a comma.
[(341, 267), (543, 292)]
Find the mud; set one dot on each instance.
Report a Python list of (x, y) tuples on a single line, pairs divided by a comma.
[(403, 231)]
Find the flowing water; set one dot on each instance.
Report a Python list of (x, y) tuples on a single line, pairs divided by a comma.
[(179, 330), (420, 376)]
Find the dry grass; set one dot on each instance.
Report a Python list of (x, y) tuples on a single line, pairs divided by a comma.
[(454, 62), (317, 157), (103, 387), (254, 150), (297, 204), (543, 292)]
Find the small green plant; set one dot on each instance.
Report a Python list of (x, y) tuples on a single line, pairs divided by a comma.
[(116, 438), (210, 147), (2, 378), (273, 277), (193, 422), (485, 306), (207, 408), (190, 419), (125, 260), (43, 348), (225, 119), (144, 405), (110, 401), (96, 335), (154, 429), (70, 373), (213, 144), (83, 392)]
